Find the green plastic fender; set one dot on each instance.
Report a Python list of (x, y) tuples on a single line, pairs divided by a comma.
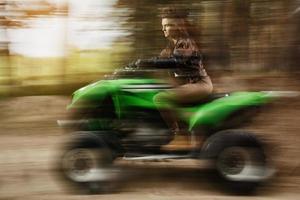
[(96, 92), (211, 114), (93, 92)]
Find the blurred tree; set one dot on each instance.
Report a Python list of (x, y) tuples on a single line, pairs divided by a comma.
[(5, 67), (17, 14), (294, 42), (237, 18)]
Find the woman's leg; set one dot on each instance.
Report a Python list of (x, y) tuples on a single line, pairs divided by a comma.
[(165, 102), (193, 92)]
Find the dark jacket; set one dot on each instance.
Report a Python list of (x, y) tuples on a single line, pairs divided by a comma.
[(187, 50)]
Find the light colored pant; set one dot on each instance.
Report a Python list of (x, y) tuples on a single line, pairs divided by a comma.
[(187, 93), (191, 92)]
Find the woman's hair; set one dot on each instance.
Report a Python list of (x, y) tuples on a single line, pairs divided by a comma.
[(187, 29), (174, 12)]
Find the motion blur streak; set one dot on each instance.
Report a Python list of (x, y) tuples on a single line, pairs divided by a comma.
[(50, 48)]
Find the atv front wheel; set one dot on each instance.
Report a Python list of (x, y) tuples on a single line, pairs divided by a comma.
[(90, 168)]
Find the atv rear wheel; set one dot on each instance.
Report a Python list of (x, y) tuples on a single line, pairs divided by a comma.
[(242, 167)]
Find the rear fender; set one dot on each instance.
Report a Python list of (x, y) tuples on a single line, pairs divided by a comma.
[(214, 113), (238, 118)]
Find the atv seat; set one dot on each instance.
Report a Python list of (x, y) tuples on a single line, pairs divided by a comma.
[(210, 98)]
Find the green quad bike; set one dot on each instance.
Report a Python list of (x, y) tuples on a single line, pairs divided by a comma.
[(116, 118)]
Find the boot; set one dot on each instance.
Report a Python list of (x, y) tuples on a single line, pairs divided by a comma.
[(180, 142)]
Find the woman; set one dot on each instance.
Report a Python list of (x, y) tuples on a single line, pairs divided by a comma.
[(189, 87)]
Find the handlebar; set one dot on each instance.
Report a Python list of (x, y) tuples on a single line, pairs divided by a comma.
[(172, 62)]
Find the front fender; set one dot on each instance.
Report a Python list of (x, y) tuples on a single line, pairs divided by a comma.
[(92, 94)]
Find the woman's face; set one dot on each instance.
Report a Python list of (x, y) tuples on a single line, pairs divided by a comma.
[(170, 27)]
